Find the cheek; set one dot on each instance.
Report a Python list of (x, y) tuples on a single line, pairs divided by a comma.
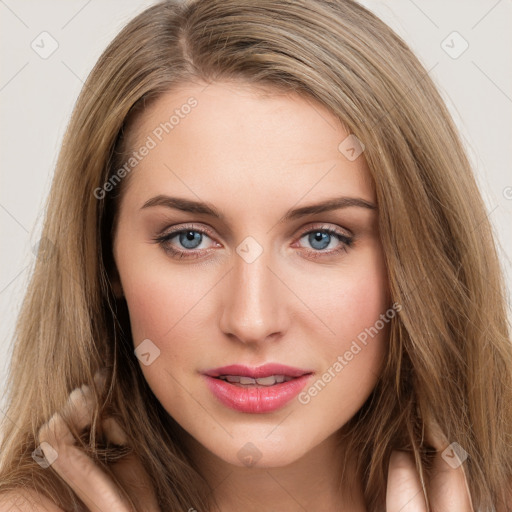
[(165, 307), (358, 311), (351, 299), (356, 305), (159, 296), (360, 317)]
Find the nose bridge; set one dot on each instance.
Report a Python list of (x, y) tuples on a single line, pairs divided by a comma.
[(253, 309)]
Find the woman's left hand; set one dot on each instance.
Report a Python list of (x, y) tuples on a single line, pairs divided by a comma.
[(449, 490)]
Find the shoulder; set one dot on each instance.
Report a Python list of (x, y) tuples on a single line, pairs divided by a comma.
[(26, 500)]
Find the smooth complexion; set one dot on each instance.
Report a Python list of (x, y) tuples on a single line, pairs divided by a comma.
[(253, 157)]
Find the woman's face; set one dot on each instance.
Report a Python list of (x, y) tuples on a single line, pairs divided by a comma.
[(267, 279)]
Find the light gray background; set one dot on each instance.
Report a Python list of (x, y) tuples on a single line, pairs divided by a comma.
[(37, 96)]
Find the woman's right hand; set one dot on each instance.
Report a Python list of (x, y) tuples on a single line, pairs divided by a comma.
[(92, 485)]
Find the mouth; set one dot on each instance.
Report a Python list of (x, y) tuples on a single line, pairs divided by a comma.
[(271, 380), (280, 372), (258, 389)]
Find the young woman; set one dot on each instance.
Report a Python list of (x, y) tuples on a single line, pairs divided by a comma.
[(270, 282)]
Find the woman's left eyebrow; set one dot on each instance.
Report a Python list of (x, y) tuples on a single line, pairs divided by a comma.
[(328, 205), (191, 206)]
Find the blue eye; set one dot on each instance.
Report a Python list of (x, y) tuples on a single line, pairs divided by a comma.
[(322, 238), (190, 239), (319, 240)]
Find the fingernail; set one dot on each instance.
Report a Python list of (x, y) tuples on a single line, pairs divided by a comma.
[(100, 378)]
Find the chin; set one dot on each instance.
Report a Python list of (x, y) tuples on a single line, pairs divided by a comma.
[(259, 451)]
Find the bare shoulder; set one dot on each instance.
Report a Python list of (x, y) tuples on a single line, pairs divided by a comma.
[(26, 500)]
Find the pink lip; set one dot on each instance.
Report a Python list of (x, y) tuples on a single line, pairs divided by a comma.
[(257, 372), (257, 399)]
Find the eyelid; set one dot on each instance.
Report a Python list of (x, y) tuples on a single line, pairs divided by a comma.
[(165, 235), (184, 227), (210, 232), (326, 226)]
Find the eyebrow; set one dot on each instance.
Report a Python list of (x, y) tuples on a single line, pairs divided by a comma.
[(187, 205)]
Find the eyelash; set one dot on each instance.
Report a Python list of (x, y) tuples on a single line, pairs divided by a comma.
[(164, 239)]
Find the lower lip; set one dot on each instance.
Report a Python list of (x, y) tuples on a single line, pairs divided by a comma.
[(256, 399)]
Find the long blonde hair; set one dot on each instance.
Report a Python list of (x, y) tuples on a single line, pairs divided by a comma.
[(449, 354)]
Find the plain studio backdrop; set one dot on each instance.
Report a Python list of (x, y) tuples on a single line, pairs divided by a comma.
[(49, 47)]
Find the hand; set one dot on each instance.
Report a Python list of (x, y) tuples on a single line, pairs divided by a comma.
[(93, 486), (448, 487)]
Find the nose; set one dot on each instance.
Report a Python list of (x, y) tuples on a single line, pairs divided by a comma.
[(255, 302)]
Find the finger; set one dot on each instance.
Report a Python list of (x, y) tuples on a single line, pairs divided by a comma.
[(100, 378), (93, 486), (79, 408), (129, 470), (114, 432), (434, 434), (78, 412), (404, 492), (448, 485)]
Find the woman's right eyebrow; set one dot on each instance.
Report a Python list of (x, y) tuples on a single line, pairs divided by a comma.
[(185, 205), (191, 206)]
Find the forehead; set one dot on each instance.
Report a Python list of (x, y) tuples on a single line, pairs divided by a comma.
[(229, 139)]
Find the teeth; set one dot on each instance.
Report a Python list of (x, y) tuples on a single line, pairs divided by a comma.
[(264, 381), (247, 380), (267, 381)]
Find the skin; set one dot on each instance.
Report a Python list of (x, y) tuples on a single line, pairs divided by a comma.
[(253, 157), (284, 307)]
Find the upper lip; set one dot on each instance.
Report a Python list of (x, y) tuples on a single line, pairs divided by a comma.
[(257, 372)]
